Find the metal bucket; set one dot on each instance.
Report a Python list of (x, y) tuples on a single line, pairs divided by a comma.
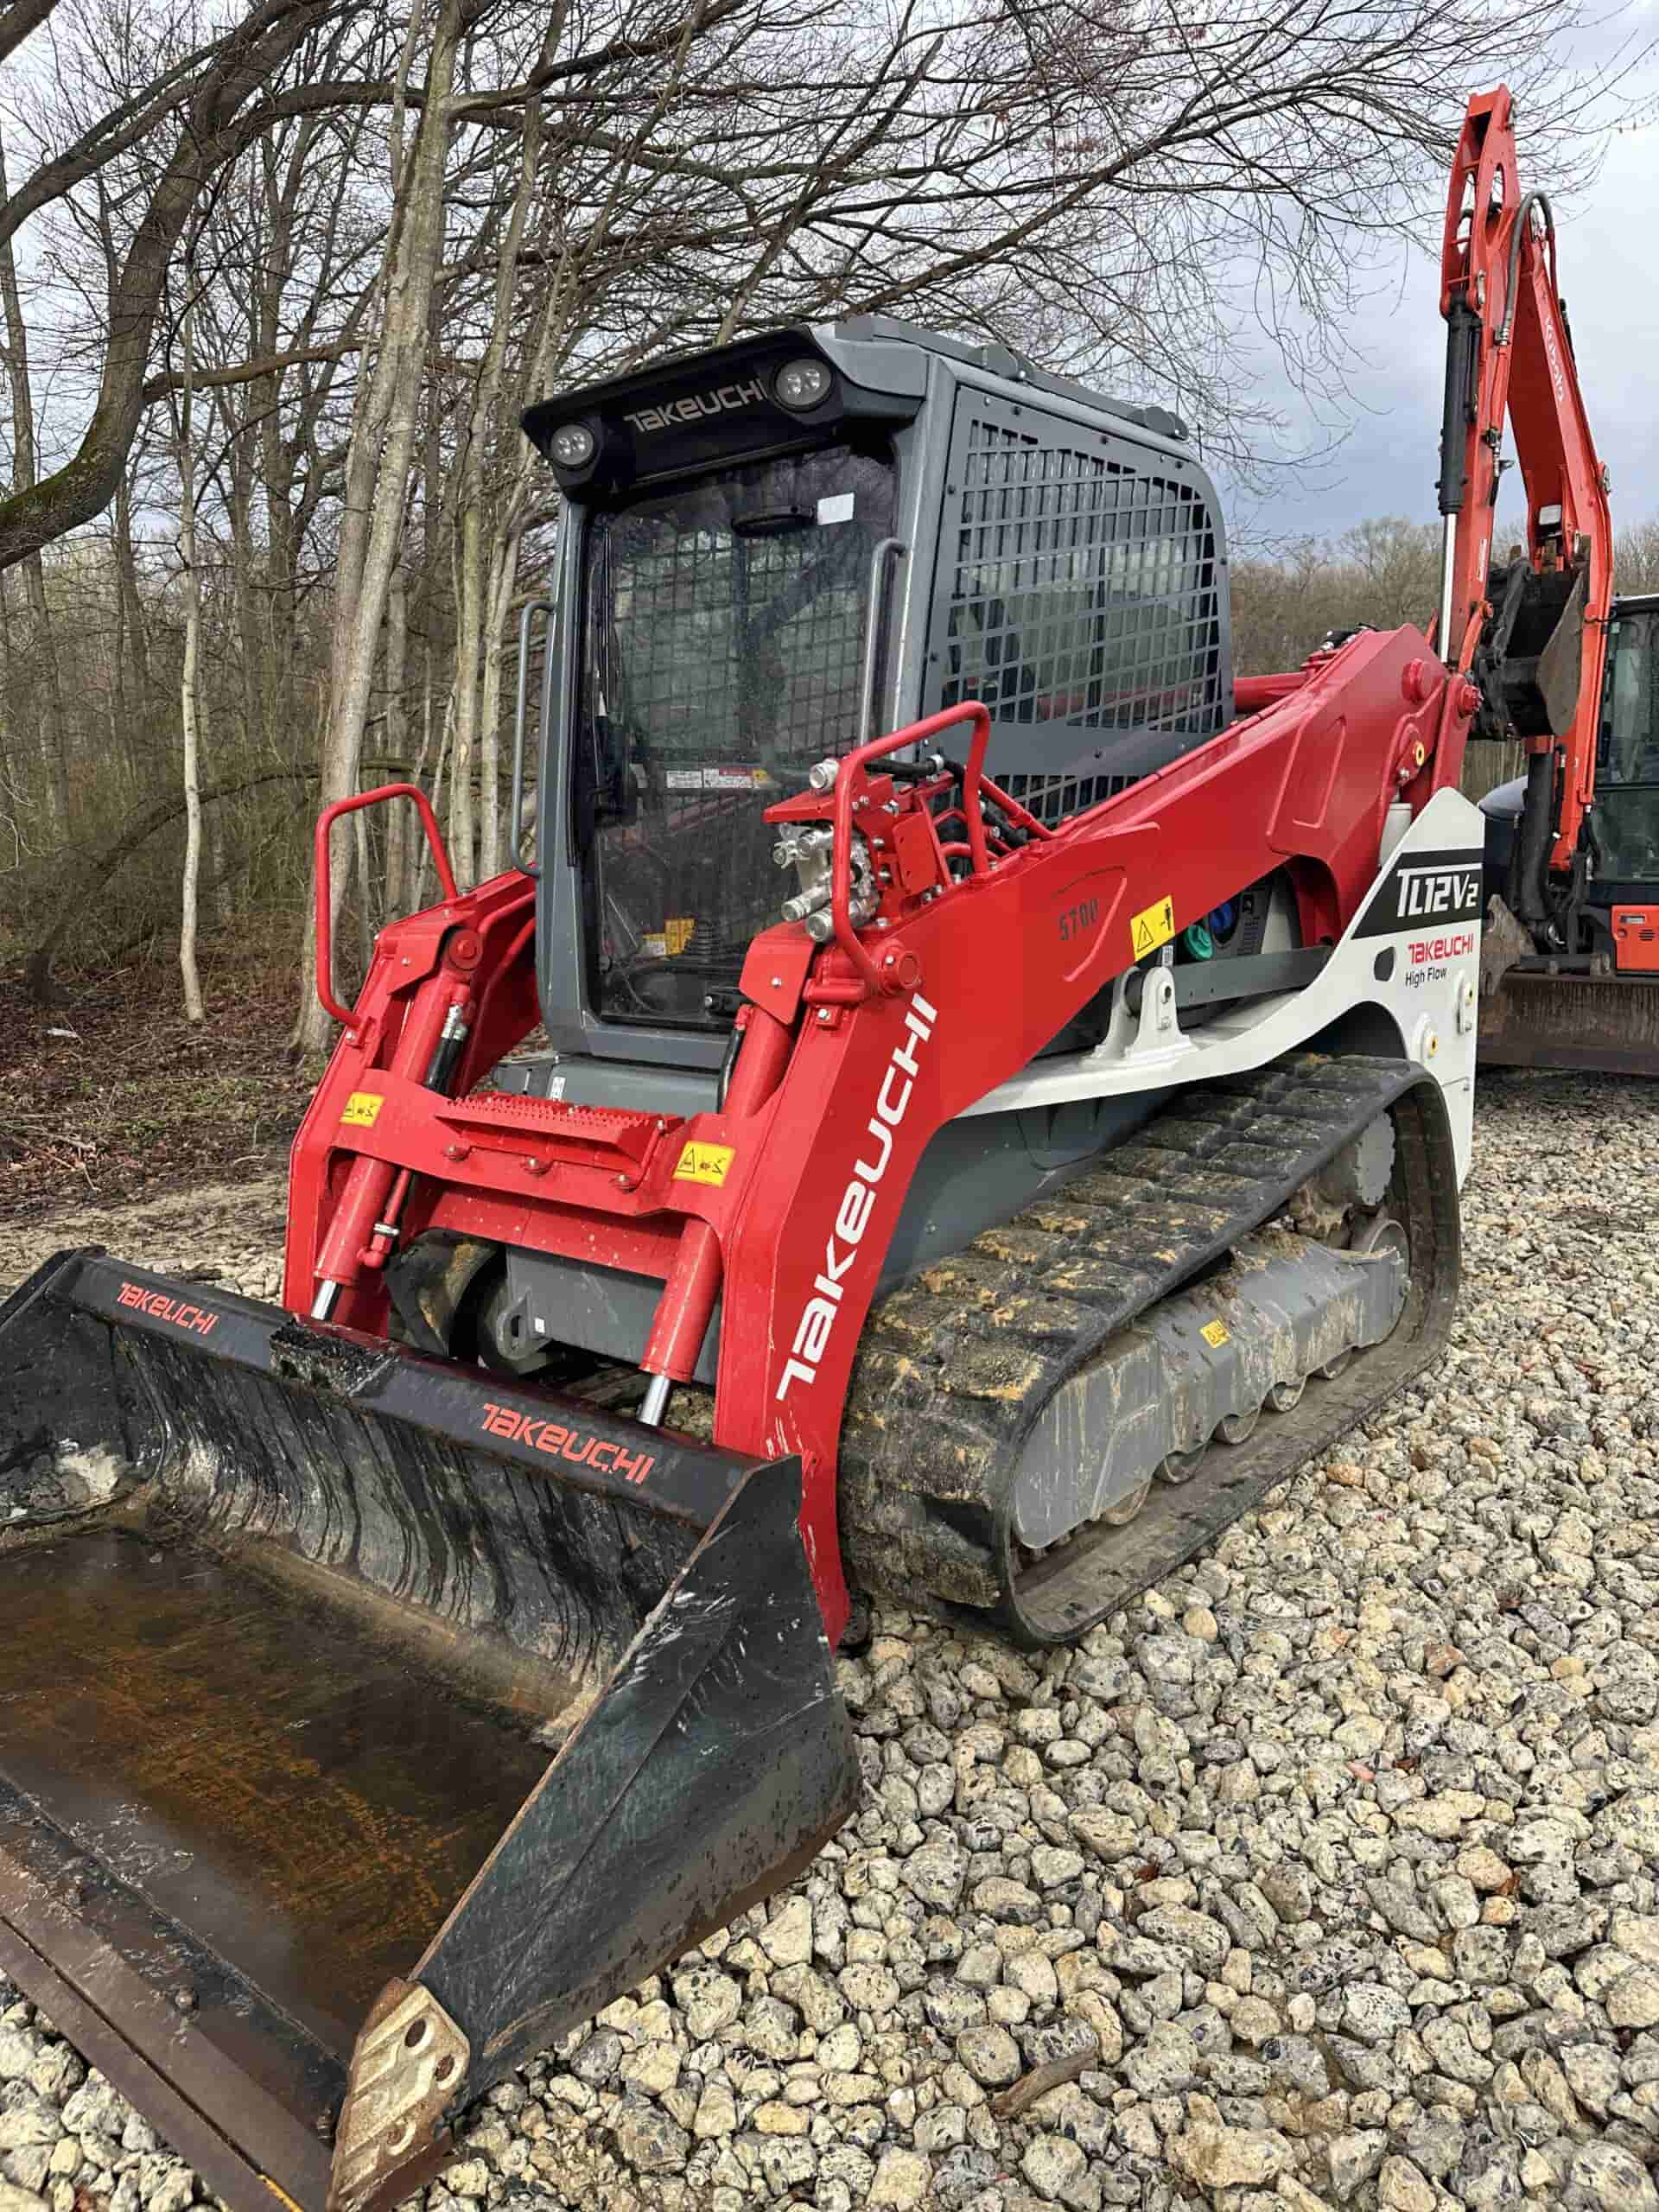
[(1604, 1024), (366, 1723)]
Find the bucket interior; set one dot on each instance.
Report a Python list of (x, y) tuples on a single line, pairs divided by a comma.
[(259, 1765)]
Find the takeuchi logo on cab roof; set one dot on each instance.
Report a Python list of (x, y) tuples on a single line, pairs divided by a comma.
[(723, 399)]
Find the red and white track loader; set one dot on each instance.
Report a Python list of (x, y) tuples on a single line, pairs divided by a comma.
[(1002, 1097)]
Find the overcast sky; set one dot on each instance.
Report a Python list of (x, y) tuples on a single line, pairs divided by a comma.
[(1387, 465)]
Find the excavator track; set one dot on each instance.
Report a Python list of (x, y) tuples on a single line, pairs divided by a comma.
[(957, 1368)]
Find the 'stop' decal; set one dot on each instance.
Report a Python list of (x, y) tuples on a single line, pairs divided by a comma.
[(1421, 887)]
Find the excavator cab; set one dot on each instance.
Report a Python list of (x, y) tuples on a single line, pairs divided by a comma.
[(1626, 815), (1588, 998)]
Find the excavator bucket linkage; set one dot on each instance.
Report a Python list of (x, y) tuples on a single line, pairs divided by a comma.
[(358, 1717)]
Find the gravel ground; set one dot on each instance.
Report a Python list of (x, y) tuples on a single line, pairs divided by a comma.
[(1337, 1854)]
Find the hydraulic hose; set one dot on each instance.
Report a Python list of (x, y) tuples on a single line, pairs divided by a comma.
[(1533, 844)]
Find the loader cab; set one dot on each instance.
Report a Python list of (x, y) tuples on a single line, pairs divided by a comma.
[(779, 548)]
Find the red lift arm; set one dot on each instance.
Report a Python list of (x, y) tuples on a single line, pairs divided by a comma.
[(1510, 356)]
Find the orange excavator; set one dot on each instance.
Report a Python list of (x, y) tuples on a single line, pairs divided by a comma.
[(1570, 955), (1006, 1090)]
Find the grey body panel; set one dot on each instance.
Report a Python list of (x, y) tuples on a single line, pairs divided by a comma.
[(852, 343), (602, 1310), (578, 1079)]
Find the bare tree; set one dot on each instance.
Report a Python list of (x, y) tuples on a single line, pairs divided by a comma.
[(206, 107), (190, 675), (1636, 557), (383, 443), (1381, 573), (485, 566), (44, 685)]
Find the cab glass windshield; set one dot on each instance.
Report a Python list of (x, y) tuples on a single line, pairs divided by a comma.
[(724, 628)]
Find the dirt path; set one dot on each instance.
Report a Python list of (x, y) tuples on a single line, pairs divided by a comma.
[(222, 1232)]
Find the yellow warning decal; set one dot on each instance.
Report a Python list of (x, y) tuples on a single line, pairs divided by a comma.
[(704, 1163), (362, 1109), (676, 933), (1153, 927), (1216, 1332)]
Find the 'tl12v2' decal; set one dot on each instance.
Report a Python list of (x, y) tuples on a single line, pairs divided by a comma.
[(1421, 889)]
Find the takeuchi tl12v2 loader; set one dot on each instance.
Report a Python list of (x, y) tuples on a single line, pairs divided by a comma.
[(1007, 1088)]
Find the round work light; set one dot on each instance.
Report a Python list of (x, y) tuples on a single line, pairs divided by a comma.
[(799, 385)]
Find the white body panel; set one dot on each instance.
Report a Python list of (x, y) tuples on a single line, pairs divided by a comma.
[(1429, 996)]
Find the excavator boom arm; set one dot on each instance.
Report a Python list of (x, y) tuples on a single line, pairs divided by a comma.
[(1509, 359)]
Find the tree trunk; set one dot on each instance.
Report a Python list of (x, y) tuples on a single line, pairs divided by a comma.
[(497, 604), (383, 444), (480, 602), (188, 693), (463, 695), (126, 574), (45, 683), (239, 503), (398, 826), (424, 871), (220, 868), (364, 890)]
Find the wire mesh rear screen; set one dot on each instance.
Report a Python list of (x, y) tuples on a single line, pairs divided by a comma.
[(1085, 598)]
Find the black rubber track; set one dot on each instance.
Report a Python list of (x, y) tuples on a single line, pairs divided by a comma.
[(955, 1368)]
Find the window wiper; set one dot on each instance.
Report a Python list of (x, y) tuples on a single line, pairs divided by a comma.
[(774, 521)]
